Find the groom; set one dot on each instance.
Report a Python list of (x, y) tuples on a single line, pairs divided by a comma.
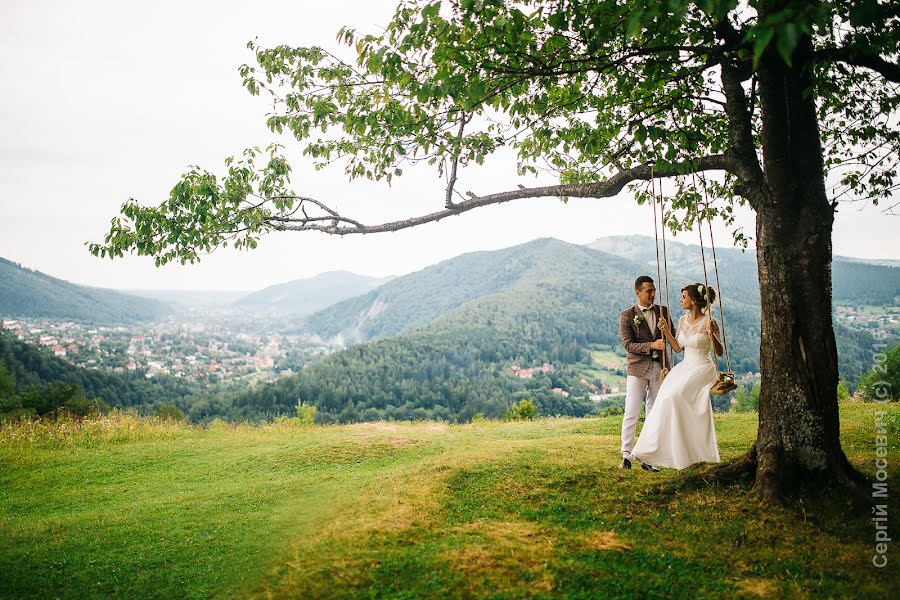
[(646, 356)]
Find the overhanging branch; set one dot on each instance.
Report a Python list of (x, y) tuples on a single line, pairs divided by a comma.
[(335, 224), (860, 58)]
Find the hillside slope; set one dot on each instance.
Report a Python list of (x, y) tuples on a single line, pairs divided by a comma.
[(33, 365), (306, 296), (28, 293), (423, 297), (420, 298)]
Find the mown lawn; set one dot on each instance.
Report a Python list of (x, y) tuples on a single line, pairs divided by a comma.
[(138, 508)]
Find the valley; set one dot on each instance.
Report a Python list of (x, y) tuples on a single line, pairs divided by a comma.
[(466, 337)]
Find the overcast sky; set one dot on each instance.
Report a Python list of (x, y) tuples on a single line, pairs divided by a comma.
[(103, 101)]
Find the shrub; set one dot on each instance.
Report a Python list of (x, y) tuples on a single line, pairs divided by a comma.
[(525, 410), (882, 382), (613, 411), (169, 412), (52, 399), (306, 413), (746, 399), (843, 391)]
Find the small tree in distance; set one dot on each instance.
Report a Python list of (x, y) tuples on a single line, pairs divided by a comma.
[(524, 410)]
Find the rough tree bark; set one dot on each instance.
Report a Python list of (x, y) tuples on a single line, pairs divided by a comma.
[(798, 440)]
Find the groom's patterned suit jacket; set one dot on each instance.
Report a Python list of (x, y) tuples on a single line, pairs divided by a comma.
[(637, 337)]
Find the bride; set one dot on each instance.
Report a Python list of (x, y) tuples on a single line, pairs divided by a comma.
[(679, 431)]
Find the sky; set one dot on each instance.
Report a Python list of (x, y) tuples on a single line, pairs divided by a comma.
[(105, 101)]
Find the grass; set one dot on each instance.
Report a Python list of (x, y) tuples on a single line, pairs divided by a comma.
[(144, 508)]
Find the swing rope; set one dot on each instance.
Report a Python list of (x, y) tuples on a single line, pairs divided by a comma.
[(666, 359), (712, 244), (724, 381), (703, 258)]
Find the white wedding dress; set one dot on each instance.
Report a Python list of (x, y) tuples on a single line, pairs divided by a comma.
[(678, 432)]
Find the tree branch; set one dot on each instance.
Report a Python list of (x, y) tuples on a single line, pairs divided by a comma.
[(601, 189), (747, 167), (451, 181), (860, 58)]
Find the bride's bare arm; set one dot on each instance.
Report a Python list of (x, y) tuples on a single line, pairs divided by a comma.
[(714, 335)]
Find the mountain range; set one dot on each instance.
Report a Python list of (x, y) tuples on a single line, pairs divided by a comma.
[(423, 297), (440, 343), (28, 293), (306, 296)]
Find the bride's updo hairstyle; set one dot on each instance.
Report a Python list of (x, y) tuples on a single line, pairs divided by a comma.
[(702, 295)]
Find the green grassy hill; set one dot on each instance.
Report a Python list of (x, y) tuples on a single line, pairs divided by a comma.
[(139, 508), (27, 293)]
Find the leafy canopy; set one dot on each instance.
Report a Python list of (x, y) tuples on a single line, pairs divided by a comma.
[(588, 91)]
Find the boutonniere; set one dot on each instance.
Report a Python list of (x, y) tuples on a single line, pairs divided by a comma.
[(638, 318)]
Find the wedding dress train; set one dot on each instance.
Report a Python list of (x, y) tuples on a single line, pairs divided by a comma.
[(678, 432)]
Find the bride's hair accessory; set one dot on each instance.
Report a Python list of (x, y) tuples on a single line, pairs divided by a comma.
[(702, 295)]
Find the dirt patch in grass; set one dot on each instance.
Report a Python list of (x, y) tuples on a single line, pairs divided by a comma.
[(392, 427), (493, 554), (757, 588), (604, 540)]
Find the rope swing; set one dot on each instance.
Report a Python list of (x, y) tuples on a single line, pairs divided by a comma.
[(725, 381), (666, 361)]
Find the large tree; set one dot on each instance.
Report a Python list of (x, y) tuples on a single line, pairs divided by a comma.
[(776, 98)]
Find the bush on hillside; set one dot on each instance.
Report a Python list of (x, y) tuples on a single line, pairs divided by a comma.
[(882, 382), (525, 410), (169, 412), (306, 413), (746, 399), (51, 400)]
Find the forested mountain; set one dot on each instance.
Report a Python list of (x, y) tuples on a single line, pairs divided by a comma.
[(420, 298), (610, 264), (305, 296), (27, 293), (545, 301), (884, 262), (855, 281)]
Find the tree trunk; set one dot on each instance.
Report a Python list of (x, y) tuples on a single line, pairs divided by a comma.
[(798, 439)]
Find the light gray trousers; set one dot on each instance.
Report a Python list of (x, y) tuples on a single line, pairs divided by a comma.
[(636, 388)]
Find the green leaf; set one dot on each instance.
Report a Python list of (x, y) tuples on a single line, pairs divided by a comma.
[(762, 42), (787, 41)]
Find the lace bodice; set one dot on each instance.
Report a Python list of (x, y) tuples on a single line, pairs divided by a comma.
[(693, 337)]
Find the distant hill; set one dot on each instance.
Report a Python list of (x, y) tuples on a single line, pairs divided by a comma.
[(424, 296), (421, 298), (191, 298), (305, 296), (28, 293), (445, 337), (884, 262), (855, 281)]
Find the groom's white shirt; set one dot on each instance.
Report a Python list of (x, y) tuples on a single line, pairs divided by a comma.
[(649, 317)]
